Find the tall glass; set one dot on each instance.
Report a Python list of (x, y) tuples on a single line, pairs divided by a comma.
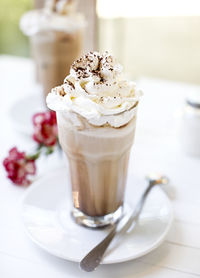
[(54, 52), (56, 40), (98, 160)]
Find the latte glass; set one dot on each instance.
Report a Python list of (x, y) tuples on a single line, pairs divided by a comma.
[(53, 53), (98, 161)]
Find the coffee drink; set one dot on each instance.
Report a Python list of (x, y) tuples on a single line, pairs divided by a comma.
[(54, 52), (96, 113), (56, 36), (98, 159)]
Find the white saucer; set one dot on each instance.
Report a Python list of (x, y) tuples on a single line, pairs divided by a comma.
[(47, 219), (22, 111)]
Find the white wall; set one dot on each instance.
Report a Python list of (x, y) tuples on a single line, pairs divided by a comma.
[(164, 47)]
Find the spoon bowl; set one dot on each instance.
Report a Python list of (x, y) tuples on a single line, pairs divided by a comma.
[(157, 179)]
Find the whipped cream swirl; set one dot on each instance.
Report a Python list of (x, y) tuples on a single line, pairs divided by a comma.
[(58, 15), (63, 7), (97, 90)]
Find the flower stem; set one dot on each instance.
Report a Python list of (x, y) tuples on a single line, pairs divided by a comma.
[(41, 148), (49, 150), (34, 156)]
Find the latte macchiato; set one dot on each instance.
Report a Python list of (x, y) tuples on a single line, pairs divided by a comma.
[(96, 113), (56, 37)]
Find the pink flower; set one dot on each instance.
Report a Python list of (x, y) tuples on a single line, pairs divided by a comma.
[(18, 167), (45, 128)]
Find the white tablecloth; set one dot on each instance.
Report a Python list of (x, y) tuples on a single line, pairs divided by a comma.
[(157, 148)]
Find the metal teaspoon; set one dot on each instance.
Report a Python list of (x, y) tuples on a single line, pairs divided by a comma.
[(91, 261)]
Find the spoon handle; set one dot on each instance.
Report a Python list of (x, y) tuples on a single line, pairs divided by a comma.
[(94, 257)]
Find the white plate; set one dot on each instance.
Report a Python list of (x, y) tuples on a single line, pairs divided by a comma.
[(46, 215), (22, 111)]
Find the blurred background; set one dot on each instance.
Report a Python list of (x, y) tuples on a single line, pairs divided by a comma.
[(151, 38)]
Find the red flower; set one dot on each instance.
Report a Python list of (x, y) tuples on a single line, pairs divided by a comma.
[(18, 167), (45, 128)]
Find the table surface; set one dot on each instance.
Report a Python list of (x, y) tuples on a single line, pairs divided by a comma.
[(157, 148)]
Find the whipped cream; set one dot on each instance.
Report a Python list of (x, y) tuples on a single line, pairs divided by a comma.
[(61, 6), (97, 90), (58, 15)]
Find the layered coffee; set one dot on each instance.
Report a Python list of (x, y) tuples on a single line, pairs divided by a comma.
[(56, 37), (96, 113), (54, 52)]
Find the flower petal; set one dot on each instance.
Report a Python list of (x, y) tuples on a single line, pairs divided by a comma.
[(31, 167)]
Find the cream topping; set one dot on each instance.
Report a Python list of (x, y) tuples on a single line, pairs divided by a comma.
[(62, 7), (97, 90), (56, 15)]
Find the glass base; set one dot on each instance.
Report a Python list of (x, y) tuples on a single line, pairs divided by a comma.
[(96, 221)]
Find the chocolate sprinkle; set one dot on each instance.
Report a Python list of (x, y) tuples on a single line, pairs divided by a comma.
[(92, 63)]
